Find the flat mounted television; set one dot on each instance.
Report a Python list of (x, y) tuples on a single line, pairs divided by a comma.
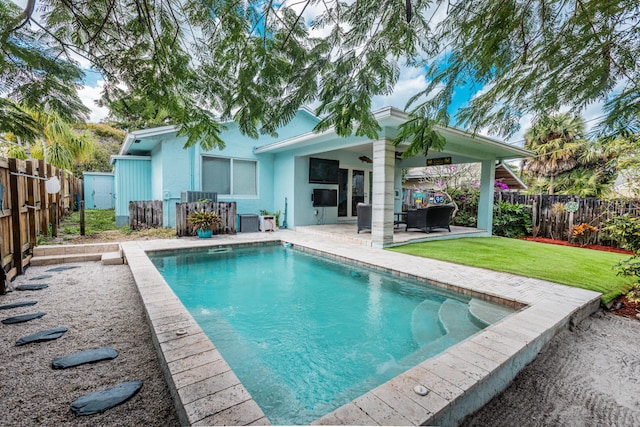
[(323, 171), (325, 198)]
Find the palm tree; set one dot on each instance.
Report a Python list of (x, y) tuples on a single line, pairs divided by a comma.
[(557, 141), (59, 145)]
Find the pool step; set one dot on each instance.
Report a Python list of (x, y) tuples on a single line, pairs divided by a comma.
[(455, 322), (455, 319), (487, 313), (425, 325), (108, 253)]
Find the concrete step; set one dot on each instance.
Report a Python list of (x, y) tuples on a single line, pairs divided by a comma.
[(62, 254), (92, 248), (64, 259), (112, 258)]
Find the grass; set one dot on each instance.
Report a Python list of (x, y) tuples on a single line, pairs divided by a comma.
[(577, 267), (100, 225), (96, 221)]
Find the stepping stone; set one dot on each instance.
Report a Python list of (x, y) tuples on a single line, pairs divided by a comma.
[(18, 304), (48, 335), (31, 287), (46, 276), (23, 318), (80, 358), (100, 401), (62, 268)]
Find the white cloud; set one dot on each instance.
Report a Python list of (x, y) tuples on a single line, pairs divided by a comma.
[(410, 82), (88, 95)]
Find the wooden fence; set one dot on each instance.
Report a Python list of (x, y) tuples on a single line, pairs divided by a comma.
[(145, 214), (552, 220), (226, 210), (27, 210)]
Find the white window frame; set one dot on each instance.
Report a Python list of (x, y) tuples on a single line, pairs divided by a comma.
[(231, 160)]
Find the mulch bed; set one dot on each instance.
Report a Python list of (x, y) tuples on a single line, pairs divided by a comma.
[(623, 307), (620, 306), (589, 246)]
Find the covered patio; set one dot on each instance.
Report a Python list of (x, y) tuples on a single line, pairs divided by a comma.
[(379, 165), (347, 232)]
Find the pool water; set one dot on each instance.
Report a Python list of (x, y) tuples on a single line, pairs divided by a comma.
[(304, 334)]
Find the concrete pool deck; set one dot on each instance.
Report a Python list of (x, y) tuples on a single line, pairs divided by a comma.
[(460, 380)]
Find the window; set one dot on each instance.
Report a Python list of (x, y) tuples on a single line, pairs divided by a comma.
[(232, 177)]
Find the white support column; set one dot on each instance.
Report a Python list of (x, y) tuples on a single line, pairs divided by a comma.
[(485, 205), (383, 180)]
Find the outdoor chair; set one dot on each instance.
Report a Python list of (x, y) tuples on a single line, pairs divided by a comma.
[(431, 217), (364, 217)]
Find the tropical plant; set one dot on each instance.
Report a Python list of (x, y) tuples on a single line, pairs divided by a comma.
[(257, 62), (511, 220), (582, 233), (467, 199), (59, 144), (556, 141), (202, 220), (35, 73), (626, 230)]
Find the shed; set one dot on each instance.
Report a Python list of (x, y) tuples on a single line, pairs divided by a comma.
[(99, 190)]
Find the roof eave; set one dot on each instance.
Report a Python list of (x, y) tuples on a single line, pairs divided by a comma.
[(144, 133)]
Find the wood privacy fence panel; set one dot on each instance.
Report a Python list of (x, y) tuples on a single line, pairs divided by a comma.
[(145, 214), (551, 219), (27, 209), (226, 210)]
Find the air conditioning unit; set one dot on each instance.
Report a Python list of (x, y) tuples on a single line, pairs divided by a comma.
[(248, 223), (194, 196), (267, 223)]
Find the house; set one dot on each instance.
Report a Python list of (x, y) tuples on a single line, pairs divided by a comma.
[(456, 176), (264, 173)]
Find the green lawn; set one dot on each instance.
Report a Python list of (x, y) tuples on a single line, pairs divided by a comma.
[(581, 268)]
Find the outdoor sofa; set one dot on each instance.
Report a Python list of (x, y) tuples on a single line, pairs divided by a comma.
[(431, 217)]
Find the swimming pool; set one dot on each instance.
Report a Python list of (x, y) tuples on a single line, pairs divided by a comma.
[(306, 335)]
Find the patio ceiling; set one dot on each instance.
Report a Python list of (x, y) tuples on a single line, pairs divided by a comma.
[(461, 145)]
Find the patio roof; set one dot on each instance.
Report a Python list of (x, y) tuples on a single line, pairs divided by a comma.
[(459, 142)]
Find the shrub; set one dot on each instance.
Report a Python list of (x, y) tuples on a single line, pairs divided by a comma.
[(511, 220), (467, 200), (626, 230), (202, 220), (582, 233)]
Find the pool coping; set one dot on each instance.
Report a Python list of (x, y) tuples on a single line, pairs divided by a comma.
[(459, 381)]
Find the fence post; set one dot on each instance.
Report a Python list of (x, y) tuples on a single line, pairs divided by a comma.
[(3, 281), (44, 200), (31, 211), (54, 219), (15, 216), (82, 218)]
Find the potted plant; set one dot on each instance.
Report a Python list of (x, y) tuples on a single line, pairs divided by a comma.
[(204, 222)]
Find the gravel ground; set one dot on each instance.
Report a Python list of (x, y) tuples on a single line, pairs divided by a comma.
[(586, 376), (101, 307)]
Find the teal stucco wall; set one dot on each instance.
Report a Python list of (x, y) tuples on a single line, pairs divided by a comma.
[(132, 182)]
